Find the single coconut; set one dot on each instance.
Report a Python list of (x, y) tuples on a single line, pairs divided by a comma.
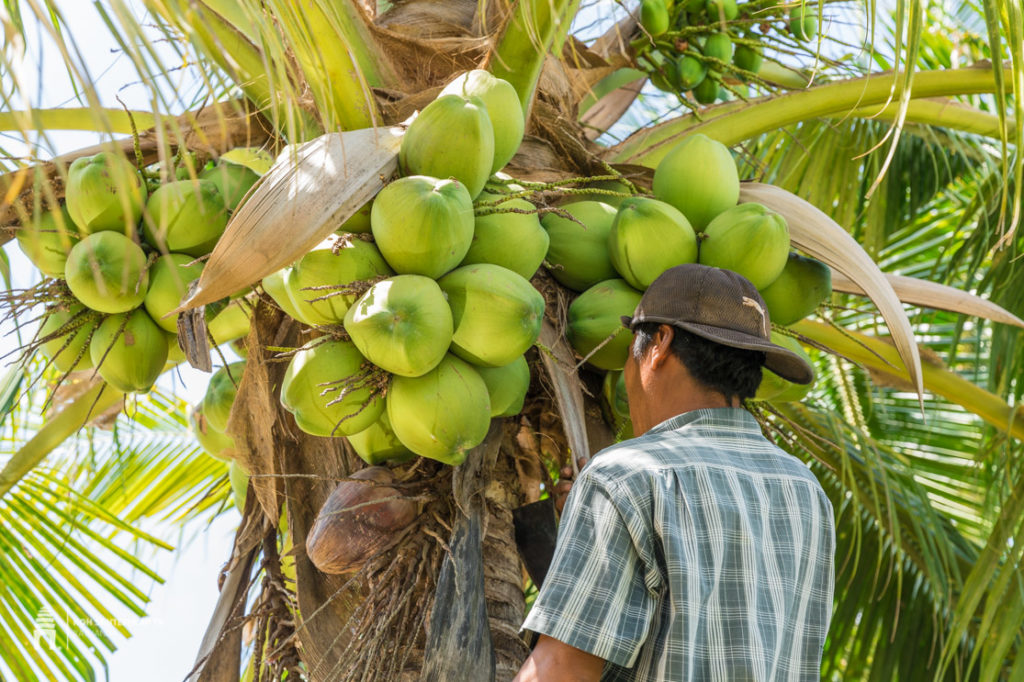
[(578, 250), (328, 389), (403, 325), (748, 239), (107, 272), (359, 520), (69, 331), (185, 217), (595, 326), (443, 414), (698, 176), (801, 287), (48, 240), (507, 386), (497, 314), (504, 110), (169, 277), (323, 283), (513, 240), (220, 394), (215, 443), (422, 225), (104, 192), (429, 146), (233, 180), (378, 443), (129, 351), (648, 237)]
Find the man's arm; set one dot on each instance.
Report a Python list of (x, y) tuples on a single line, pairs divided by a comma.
[(555, 661)]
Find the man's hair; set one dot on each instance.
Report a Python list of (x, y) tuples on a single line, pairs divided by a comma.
[(727, 370)]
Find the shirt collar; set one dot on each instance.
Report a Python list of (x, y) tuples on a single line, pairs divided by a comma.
[(735, 417)]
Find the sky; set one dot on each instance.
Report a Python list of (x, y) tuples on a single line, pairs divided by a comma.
[(164, 644)]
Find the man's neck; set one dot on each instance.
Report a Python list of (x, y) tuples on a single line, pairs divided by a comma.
[(670, 398)]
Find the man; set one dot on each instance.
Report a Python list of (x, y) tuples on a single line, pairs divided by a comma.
[(699, 550)]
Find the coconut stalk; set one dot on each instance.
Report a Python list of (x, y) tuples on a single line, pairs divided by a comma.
[(535, 28), (121, 122), (880, 356), (743, 122)]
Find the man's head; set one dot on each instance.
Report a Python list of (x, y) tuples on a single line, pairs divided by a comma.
[(702, 335)]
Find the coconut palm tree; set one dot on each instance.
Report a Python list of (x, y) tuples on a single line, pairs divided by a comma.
[(888, 141)]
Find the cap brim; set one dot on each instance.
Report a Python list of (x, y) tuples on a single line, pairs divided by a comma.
[(779, 360)]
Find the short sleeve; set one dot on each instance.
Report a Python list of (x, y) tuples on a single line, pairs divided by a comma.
[(595, 597)]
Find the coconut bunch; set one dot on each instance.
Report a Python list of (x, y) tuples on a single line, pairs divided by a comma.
[(423, 299), (126, 249), (610, 254), (695, 45)]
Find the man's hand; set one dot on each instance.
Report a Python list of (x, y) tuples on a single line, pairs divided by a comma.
[(555, 661), (564, 485)]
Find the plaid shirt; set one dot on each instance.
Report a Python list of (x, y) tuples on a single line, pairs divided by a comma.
[(699, 551)]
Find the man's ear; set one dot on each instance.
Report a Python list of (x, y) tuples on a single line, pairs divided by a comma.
[(661, 345)]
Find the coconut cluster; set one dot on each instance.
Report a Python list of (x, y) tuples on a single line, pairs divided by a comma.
[(423, 297), (127, 248), (611, 253), (695, 45)]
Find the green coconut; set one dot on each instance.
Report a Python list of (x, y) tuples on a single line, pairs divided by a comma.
[(803, 22), (175, 354), (708, 89), (71, 330), (220, 394), (776, 389), (443, 414), (273, 285), (749, 239), (595, 316), (185, 217), (451, 138), (107, 272), (690, 72), (748, 58), (507, 386), (801, 287), (358, 222), (169, 277), (48, 241), (512, 240), (379, 444), (718, 46), (325, 272), (232, 179), (328, 390), (721, 9), (231, 323), (422, 225), (497, 313), (216, 443), (104, 192), (403, 325), (503, 110), (129, 351), (647, 238), (616, 404), (578, 254), (698, 176), (654, 16), (238, 477)]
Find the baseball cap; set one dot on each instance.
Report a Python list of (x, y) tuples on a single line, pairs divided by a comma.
[(721, 306)]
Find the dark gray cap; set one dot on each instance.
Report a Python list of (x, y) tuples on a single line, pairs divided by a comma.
[(721, 306)]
